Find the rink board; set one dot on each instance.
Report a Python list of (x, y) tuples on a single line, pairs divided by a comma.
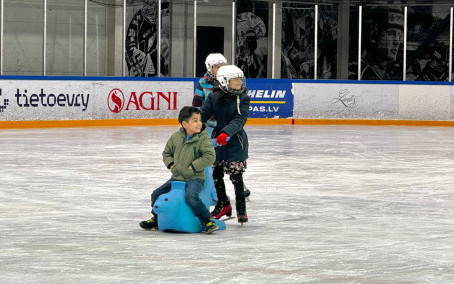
[(109, 101)]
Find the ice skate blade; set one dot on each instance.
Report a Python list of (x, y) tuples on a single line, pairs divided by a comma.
[(227, 218)]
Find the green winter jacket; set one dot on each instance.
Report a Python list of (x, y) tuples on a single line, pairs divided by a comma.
[(197, 151)]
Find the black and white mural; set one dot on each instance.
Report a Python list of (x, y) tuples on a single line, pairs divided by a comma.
[(297, 58), (142, 38), (327, 42), (298, 41), (427, 54), (428, 43), (252, 38), (381, 44)]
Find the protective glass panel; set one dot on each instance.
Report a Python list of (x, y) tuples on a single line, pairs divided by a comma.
[(104, 21), (142, 38), (65, 38), (252, 31), (428, 43), (353, 38), (214, 32), (297, 60), (327, 42), (23, 37), (382, 43)]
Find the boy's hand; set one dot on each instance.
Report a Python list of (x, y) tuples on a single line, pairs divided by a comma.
[(190, 167), (171, 167), (222, 139)]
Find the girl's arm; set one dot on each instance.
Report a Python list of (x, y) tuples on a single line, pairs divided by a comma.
[(238, 122)]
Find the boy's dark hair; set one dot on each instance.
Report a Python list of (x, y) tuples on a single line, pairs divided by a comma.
[(186, 112)]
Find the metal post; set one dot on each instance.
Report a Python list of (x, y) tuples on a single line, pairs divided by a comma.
[(233, 32), (404, 71), (273, 47), (123, 51), (195, 36), (85, 38), (2, 7), (158, 72), (450, 44), (360, 24), (97, 44), (315, 41), (44, 36), (70, 50)]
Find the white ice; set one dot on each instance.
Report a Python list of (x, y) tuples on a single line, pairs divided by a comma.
[(329, 204)]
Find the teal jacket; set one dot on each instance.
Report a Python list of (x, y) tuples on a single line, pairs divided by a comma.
[(197, 151)]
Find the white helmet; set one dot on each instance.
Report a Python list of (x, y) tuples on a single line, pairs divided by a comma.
[(228, 72), (214, 59)]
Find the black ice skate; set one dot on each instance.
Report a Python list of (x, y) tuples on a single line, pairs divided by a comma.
[(222, 208), (241, 211)]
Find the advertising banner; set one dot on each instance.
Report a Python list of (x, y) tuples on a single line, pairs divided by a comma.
[(424, 102), (79, 100), (346, 101), (270, 98), (452, 103)]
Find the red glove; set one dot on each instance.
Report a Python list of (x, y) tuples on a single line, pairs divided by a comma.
[(222, 139)]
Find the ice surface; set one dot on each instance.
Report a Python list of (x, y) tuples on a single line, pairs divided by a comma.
[(329, 204)]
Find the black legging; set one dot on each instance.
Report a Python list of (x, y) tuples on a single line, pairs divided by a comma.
[(237, 180), (218, 177)]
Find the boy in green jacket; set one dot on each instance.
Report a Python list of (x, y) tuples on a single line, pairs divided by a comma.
[(187, 153)]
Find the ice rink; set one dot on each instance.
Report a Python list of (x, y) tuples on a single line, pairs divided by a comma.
[(329, 204)]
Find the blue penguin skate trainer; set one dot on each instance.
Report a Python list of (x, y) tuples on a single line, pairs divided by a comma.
[(174, 214)]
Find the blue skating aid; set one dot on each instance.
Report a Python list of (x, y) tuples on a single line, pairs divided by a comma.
[(209, 184), (174, 214)]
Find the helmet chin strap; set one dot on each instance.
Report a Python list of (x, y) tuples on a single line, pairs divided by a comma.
[(236, 91)]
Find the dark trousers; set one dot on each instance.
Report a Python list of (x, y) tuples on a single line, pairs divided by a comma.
[(191, 196)]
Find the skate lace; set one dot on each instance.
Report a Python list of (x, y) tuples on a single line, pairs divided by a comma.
[(219, 206)]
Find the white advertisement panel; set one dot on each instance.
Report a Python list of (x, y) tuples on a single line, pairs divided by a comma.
[(80, 100), (346, 101), (362, 101), (452, 103), (424, 102)]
